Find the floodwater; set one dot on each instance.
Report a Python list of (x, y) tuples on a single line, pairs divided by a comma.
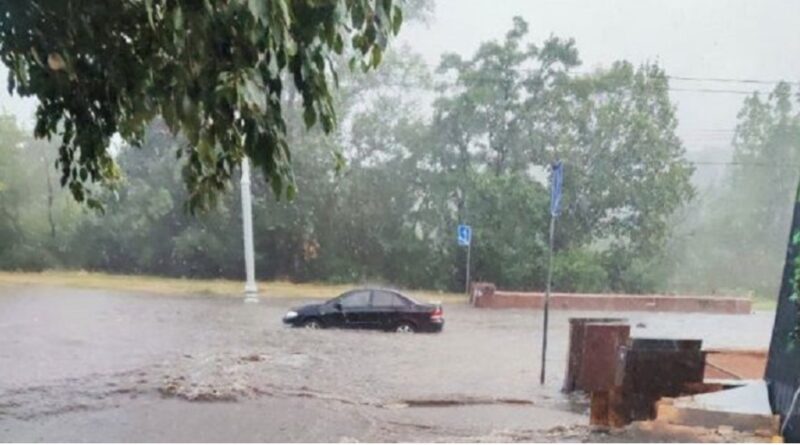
[(93, 365)]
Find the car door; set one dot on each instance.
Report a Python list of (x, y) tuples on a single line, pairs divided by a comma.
[(331, 314), (355, 309), (383, 312), (404, 310)]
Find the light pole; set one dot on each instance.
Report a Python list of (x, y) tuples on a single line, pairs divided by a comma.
[(250, 288)]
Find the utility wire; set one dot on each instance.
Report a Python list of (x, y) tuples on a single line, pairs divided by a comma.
[(451, 83), (712, 90), (745, 164), (676, 89), (711, 130), (691, 78), (725, 80)]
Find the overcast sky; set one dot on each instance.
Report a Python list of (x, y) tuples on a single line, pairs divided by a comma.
[(719, 39), (691, 38)]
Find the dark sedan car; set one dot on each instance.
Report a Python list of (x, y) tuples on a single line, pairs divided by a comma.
[(383, 309)]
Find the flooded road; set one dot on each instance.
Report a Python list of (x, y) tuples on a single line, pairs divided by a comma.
[(92, 365)]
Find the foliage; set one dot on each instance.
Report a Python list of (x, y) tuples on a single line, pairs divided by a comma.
[(28, 235), (579, 270), (11, 191), (515, 108), (406, 179), (734, 238), (794, 282), (215, 72)]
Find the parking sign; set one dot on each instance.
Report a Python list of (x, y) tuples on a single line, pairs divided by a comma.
[(464, 235)]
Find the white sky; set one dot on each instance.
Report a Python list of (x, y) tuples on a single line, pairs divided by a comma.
[(692, 38), (754, 39)]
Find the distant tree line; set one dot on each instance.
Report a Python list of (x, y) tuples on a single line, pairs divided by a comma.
[(732, 239), (415, 154)]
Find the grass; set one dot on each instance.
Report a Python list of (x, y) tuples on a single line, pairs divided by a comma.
[(764, 304), (185, 286), (226, 288)]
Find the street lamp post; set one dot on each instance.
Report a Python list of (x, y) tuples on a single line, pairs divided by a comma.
[(250, 288)]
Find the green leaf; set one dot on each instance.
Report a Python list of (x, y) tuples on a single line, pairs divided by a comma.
[(177, 20), (96, 205), (338, 161), (12, 84), (335, 76), (148, 4), (309, 116), (370, 34), (377, 55), (187, 62), (285, 16), (397, 20), (338, 44), (357, 15), (253, 93)]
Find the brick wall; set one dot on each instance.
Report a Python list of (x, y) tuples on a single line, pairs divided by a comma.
[(484, 295)]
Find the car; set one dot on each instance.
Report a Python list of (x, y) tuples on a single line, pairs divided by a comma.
[(382, 309)]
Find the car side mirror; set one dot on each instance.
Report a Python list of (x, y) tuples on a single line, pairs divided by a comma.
[(337, 306)]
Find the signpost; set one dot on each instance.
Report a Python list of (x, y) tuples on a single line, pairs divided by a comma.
[(556, 180), (465, 239)]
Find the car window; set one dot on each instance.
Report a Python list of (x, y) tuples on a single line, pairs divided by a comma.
[(355, 299), (401, 301), (382, 298)]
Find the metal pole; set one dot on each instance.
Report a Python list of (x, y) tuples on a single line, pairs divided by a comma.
[(466, 285), (547, 298), (250, 288)]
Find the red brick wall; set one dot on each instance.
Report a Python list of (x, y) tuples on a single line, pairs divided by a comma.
[(491, 298)]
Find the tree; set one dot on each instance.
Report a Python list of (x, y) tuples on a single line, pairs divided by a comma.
[(384, 208), (30, 216), (513, 109), (627, 172), (734, 239), (11, 193), (215, 71)]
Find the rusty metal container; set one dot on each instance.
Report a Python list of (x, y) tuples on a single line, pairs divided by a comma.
[(575, 354), (601, 345)]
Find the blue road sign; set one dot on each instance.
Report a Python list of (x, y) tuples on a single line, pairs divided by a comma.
[(556, 179), (464, 235)]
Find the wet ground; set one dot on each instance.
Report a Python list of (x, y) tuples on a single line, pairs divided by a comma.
[(89, 365)]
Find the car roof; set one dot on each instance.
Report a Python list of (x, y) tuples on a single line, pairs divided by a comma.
[(385, 289)]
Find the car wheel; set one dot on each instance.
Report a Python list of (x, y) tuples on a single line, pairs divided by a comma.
[(312, 324), (405, 328)]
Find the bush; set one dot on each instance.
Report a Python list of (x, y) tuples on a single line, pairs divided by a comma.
[(28, 258), (579, 270)]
